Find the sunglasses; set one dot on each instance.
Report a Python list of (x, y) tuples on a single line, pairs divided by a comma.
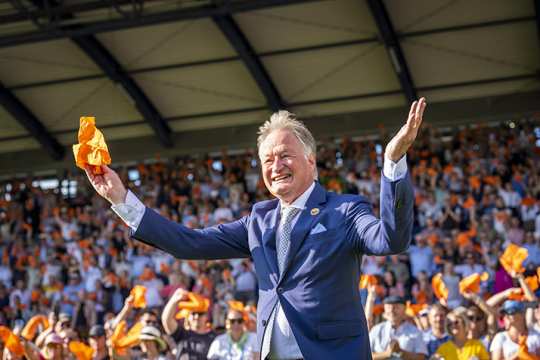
[(238, 321), (453, 323), (475, 318)]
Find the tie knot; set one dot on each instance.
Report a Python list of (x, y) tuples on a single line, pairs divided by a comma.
[(289, 212)]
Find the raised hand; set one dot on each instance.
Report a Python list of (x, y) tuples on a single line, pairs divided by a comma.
[(107, 184), (402, 141)]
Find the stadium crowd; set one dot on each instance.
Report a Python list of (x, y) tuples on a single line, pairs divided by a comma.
[(74, 285)]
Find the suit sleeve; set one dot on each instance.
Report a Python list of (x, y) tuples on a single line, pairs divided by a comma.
[(223, 241), (391, 234)]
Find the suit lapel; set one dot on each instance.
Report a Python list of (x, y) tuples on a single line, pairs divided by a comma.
[(305, 223), (271, 220)]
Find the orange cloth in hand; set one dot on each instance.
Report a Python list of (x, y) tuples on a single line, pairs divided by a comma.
[(139, 296), (196, 303), (31, 327), (513, 257), (413, 309), (439, 287), (366, 280), (81, 350), (523, 350), (91, 149), (120, 340), (11, 341), (471, 284)]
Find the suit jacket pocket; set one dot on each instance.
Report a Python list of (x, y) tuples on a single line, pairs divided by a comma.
[(340, 329)]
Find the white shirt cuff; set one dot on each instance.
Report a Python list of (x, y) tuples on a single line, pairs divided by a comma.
[(395, 171), (131, 212)]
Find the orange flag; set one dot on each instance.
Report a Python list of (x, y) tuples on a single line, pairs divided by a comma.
[(131, 338), (91, 149), (413, 309), (523, 350), (196, 303), (31, 327), (139, 296), (471, 284), (11, 341), (439, 287), (81, 350), (532, 282), (366, 280), (513, 257)]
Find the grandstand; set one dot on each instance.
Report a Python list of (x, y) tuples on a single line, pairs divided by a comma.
[(179, 89)]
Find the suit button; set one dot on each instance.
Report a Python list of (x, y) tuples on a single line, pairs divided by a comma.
[(280, 290), (264, 322)]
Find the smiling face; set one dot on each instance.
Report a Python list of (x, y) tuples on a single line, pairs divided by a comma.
[(286, 170)]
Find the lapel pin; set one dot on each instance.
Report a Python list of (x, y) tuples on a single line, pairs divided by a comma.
[(314, 211)]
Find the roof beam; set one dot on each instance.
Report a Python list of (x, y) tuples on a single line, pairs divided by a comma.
[(144, 19), (114, 71), (30, 122), (391, 42), (249, 57), (537, 11)]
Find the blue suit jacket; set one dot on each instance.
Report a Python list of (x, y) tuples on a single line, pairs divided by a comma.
[(318, 289)]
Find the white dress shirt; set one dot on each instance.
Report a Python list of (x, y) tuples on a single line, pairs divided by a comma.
[(283, 344)]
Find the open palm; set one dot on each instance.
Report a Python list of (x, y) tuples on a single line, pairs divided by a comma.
[(402, 141)]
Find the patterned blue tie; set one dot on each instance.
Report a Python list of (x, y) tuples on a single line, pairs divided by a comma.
[(284, 241)]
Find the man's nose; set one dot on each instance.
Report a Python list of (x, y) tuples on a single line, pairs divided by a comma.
[(277, 164)]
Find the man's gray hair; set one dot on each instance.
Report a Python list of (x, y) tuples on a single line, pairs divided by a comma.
[(286, 120)]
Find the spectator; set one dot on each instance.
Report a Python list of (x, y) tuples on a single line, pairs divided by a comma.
[(396, 337), (459, 347), (507, 344), (236, 343)]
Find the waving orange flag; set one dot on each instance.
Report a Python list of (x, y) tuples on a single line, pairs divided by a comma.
[(81, 350), (123, 340), (196, 303), (91, 149), (139, 296), (413, 309), (523, 350), (31, 327), (366, 280), (11, 341), (513, 257), (471, 284), (439, 287)]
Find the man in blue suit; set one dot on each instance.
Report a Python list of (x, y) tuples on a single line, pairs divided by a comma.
[(306, 245)]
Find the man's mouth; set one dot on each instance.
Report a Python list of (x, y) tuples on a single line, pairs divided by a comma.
[(281, 178)]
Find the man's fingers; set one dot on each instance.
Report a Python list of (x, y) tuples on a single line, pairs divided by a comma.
[(412, 111)]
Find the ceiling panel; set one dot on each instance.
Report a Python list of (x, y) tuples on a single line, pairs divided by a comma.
[(43, 61), (60, 106), (209, 88), (415, 15), (307, 24), (351, 70), (220, 121), (473, 55), (339, 107), (10, 146), (462, 92), (9, 125), (166, 44)]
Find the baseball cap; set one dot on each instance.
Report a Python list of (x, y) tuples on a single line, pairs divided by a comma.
[(394, 299), (511, 307)]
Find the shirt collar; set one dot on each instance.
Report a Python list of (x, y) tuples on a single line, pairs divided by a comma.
[(301, 201)]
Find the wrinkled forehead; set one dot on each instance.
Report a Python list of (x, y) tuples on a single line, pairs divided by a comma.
[(279, 141)]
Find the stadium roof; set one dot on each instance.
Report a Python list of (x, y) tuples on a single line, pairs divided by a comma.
[(159, 73)]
